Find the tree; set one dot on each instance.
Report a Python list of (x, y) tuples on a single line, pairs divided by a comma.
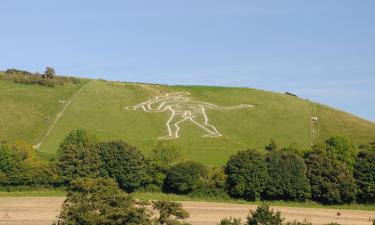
[(230, 221), (185, 177), (100, 202), (124, 163), (167, 154), (247, 174), (49, 73), (330, 180), (170, 213), (364, 173), (263, 215), (78, 156), (342, 150), (286, 176)]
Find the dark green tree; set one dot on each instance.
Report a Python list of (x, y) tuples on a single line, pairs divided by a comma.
[(170, 213), (100, 202), (78, 156), (247, 174), (286, 176), (185, 177), (330, 180), (364, 173), (263, 215), (124, 163)]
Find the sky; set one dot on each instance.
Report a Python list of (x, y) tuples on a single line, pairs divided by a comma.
[(322, 50)]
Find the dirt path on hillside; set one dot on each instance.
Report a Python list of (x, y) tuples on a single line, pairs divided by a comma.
[(43, 211)]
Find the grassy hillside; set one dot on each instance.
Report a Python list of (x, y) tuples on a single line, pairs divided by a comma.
[(100, 108), (26, 111)]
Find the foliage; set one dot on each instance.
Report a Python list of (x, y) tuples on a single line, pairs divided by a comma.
[(170, 213), (78, 156), (167, 154), (364, 173), (342, 150), (185, 177), (330, 180), (47, 79), (49, 73), (124, 163), (263, 215), (100, 202), (247, 173), (230, 221), (286, 176), (20, 166)]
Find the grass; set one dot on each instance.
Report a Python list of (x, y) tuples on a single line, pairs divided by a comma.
[(100, 109), (34, 193)]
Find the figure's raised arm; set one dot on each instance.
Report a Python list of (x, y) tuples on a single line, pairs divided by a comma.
[(213, 106)]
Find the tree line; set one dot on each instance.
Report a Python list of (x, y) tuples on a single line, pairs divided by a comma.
[(333, 172), (48, 78)]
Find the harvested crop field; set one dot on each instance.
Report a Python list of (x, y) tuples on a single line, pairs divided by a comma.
[(43, 211)]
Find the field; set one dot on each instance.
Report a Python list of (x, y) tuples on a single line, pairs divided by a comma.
[(27, 112), (43, 211)]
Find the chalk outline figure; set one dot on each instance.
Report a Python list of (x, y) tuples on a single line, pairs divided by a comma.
[(182, 109)]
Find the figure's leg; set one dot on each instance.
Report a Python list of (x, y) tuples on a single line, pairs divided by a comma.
[(202, 121), (173, 126)]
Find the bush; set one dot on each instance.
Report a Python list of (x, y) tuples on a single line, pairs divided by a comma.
[(47, 79), (124, 163), (286, 177), (330, 180), (342, 150), (247, 174), (19, 166), (170, 213), (263, 215), (230, 221), (185, 177), (364, 173), (78, 156), (100, 202)]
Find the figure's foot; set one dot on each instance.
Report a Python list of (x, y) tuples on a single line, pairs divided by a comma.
[(168, 137), (212, 135)]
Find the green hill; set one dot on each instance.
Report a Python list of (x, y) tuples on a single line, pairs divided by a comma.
[(29, 112)]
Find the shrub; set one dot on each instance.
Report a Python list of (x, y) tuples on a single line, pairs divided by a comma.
[(230, 221), (364, 173), (170, 213), (263, 215), (185, 177), (78, 156), (100, 202), (342, 150), (247, 174), (330, 180), (124, 163), (286, 177)]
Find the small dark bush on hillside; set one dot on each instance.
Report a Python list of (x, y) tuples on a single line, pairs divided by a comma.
[(291, 94)]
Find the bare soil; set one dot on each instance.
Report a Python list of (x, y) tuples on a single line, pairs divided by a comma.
[(44, 210)]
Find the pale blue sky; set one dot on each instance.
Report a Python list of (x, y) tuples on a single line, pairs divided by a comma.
[(321, 50)]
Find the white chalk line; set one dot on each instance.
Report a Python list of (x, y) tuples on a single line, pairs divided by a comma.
[(58, 116), (182, 108)]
